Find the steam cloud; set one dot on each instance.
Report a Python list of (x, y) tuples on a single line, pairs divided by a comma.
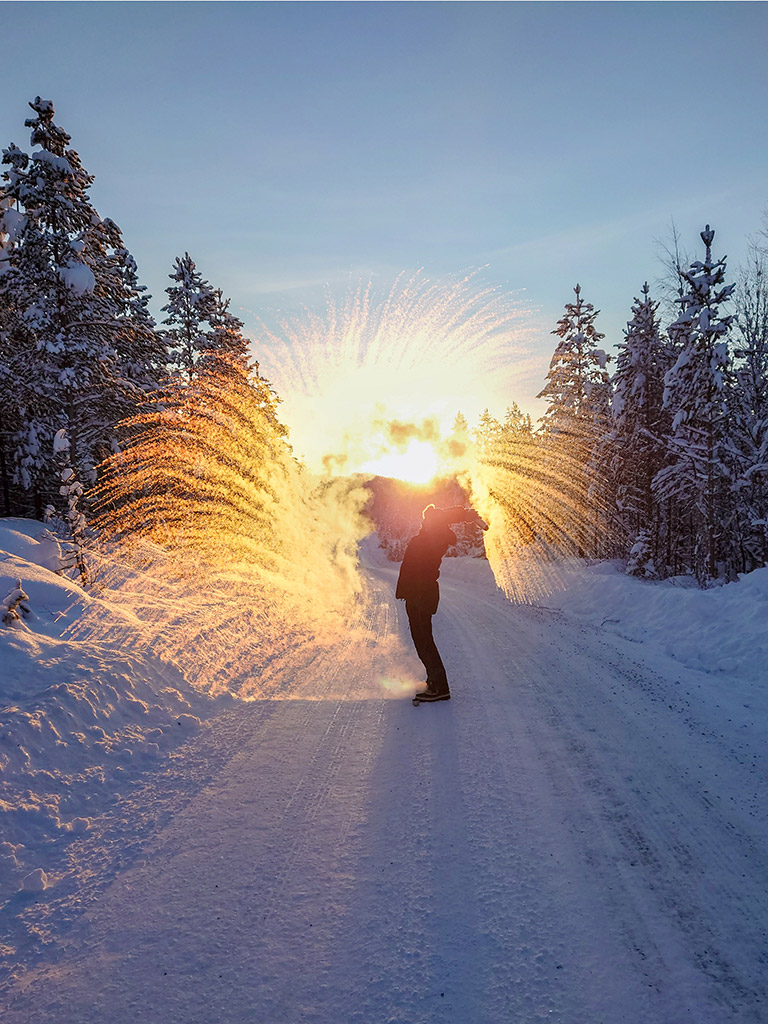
[(399, 433)]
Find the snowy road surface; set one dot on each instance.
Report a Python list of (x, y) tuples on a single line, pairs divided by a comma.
[(575, 837)]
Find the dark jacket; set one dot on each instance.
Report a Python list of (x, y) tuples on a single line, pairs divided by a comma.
[(421, 566)]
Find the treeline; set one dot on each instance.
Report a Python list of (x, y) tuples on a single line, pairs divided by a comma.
[(663, 461), (659, 454), (79, 350)]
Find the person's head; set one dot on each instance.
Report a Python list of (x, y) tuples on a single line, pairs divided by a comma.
[(431, 516)]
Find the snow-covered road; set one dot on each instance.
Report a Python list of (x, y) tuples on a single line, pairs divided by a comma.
[(575, 837)]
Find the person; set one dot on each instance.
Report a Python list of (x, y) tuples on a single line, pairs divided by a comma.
[(417, 586)]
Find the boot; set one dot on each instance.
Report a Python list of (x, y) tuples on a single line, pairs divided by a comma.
[(430, 695)]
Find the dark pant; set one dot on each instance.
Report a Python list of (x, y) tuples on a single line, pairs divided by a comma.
[(420, 621)]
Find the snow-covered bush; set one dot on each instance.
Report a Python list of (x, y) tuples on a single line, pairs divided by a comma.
[(641, 558), (14, 603)]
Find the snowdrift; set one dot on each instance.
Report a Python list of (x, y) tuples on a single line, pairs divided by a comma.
[(722, 631), (79, 722)]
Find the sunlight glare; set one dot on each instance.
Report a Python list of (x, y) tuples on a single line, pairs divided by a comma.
[(418, 464), (420, 352)]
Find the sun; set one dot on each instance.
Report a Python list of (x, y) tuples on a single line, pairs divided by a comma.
[(418, 464)]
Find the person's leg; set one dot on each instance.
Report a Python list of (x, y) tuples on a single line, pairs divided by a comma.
[(420, 622)]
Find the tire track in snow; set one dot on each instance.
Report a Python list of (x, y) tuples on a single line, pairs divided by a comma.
[(665, 850), (544, 963), (304, 740)]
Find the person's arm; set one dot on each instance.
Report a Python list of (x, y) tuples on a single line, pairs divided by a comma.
[(459, 514)]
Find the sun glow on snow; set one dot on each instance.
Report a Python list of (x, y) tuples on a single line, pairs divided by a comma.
[(418, 464)]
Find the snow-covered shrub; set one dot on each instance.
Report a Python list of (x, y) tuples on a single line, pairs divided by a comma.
[(641, 558), (17, 599)]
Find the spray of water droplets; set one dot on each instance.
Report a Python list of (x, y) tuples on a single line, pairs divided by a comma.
[(223, 554), (416, 354), (369, 375), (226, 555)]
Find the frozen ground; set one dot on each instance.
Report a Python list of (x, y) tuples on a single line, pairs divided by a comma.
[(578, 836)]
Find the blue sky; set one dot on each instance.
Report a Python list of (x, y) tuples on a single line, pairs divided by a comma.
[(289, 146)]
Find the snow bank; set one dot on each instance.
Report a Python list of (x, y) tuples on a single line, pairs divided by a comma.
[(79, 722), (722, 631)]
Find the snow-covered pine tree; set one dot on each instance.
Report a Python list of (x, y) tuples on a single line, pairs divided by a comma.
[(201, 335), (697, 478), (71, 490), (578, 393), (458, 441), (228, 345), (141, 353), (516, 423), (747, 399), (17, 599), (10, 397), (67, 311), (487, 436), (21, 405), (578, 387), (640, 425), (192, 309), (517, 451)]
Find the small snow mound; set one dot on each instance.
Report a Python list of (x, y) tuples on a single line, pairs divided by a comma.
[(29, 540), (48, 554), (755, 582), (35, 881), (188, 723), (78, 826)]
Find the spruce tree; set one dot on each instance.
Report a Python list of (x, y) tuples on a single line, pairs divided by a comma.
[(640, 426), (747, 399), (229, 348), (69, 312), (488, 436), (578, 386), (140, 350), (11, 395), (458, 441), (574, 426), (201, 335), (190, 324), (697, 478)]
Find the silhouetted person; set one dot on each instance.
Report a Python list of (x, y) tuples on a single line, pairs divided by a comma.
[(417, 586)]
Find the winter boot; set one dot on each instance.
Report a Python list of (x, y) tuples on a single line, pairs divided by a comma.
[(431, 695)]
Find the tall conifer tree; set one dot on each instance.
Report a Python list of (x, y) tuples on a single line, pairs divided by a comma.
[(640, 423), (697, 477), (578, 392), (69, 307), (190, 324), (747, 399)]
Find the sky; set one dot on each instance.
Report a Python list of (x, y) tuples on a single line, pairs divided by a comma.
[(293, 148)]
